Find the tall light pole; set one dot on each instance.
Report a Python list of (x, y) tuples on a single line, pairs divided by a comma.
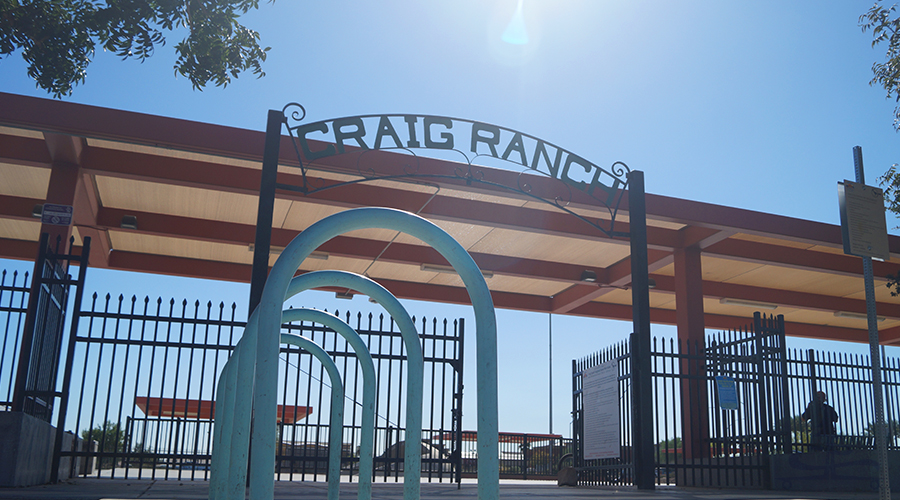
[(550, 350)]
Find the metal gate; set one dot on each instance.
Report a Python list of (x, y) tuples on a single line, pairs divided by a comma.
[(719, 409), (606, 471), (40, 351), (748, 368), (144, 380)]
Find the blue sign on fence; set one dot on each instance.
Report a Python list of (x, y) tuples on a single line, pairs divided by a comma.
[(727, 393)]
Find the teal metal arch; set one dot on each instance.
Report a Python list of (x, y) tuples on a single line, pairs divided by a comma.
[(269, 315), (336, 421), (367, 436), (224, 484), (415, 375), (237, 418), (230, 484)]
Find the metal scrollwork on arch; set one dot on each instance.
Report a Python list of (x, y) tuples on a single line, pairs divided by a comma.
[(472, 145)]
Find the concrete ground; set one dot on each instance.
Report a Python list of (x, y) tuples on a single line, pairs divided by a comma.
[(121, 489)]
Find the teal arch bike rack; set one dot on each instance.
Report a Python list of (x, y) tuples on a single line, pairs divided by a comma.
[(254, 373)]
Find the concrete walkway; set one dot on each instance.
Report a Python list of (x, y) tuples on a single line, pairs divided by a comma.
[(116, 489)]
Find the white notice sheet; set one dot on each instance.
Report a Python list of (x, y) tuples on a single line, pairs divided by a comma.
[(601, 411)]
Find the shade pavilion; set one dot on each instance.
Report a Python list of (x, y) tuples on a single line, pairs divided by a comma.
[(176, 197)]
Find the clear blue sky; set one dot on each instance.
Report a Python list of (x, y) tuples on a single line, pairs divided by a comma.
[(748, 104)]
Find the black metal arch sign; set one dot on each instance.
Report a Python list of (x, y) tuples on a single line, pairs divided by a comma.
[(471, 139)]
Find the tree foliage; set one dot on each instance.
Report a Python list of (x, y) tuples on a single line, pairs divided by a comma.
[(58, 37), (110, 438), (885, 26), (893, 431), (890, 181)]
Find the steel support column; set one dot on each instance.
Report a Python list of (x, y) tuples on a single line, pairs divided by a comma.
[(61, 190), (266, 206), (689, 319), (641, 381)]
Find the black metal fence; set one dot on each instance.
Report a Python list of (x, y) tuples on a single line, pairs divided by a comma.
[(847, 381), (138, 364), (14, 291), (522, 456), (145, 374), (723, 407), (605, 471), (41, 347), (143, 380), (303, 445)]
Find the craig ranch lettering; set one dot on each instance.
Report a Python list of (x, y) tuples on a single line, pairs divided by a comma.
[(440, 132)]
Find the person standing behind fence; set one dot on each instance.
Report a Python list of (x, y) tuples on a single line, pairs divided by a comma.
[(822, 417)]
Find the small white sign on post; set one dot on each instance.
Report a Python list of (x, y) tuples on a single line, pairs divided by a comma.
[(862, 220), (56, 215), (600, 392)]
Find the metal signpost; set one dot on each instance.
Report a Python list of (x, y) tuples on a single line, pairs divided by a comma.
[(865, 235)]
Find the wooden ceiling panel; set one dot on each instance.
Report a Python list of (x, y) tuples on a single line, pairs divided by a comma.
[(394, 271), (142, 196), (658, 223), (20, 229), (301, 214), (499, 283), (385, 235), (543, 247), (601, 215), (617, 296), (528, 286), (466, 234), (422, 185), (799, 280), (513, 200), (24, 182), (318, 171), (830, 249), (21, 132), (827, 318), (130, 241), (716, 269), (357, 266), (658, 300), (668, 270), (713, 306), (771, 241), (882, 293)]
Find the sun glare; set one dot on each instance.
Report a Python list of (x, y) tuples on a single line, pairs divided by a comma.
[(515, 32)]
